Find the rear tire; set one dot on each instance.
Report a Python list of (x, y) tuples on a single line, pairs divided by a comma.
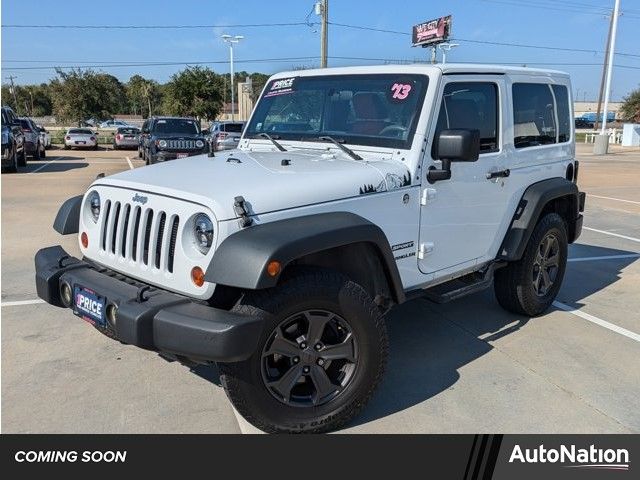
[(530, 285), (328, 329), (13, 168)]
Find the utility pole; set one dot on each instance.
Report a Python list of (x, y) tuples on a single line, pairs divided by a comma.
[(322, 9), (604, 74), (13, 91), (601, 146), (231, 40)]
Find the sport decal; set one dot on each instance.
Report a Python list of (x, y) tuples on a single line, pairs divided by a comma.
[(401, 246)]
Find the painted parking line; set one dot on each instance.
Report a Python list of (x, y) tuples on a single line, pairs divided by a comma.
[(129, 162), (54, 159), (597, 321), (633, 239), (611, 198), (604, 257), (20, 303)]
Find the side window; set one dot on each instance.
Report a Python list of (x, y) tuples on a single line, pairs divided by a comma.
[(564, 116), (534, 119), (472, 105)]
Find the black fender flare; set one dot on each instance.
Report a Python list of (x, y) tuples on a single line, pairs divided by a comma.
[(68, 218), (241, 259), (533, 201)]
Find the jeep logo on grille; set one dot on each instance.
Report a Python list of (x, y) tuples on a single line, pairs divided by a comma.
[(140, 199)]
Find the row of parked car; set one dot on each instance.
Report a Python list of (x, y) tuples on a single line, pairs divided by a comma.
[(168, 138), (21, 138), (159, 139)]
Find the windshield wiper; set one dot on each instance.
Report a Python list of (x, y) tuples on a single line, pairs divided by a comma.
[(346, 150), (270, 138)]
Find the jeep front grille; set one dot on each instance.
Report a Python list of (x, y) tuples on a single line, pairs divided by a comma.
[(181, 144), (140, 235)]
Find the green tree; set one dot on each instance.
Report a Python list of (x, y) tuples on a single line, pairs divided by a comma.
[(81, 94), (143, 95), (630, 109), (195, 91), (33, 100)]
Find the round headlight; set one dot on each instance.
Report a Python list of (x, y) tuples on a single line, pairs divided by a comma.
[(199, 143), (94, 205), (162, 143), (203, 232)]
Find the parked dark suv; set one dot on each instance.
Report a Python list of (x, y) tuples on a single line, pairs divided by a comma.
[(14, 154), (168, 138)]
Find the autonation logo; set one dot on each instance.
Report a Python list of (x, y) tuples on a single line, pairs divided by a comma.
[(573, 457)]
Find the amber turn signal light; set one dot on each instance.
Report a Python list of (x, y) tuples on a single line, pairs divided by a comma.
[(273, 268), (197, 276), (84, 239)]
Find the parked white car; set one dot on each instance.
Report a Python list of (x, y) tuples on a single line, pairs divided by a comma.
[(80, 138), (45, 138), (352, 190)]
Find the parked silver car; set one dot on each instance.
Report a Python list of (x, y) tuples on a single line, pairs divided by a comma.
[(126, 137), (80, 138), (225, 135)]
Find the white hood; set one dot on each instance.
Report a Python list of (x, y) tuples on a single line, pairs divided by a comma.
[(263, 180)]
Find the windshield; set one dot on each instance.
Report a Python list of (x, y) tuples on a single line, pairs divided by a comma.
[(232, 127), (176, 126), (376, 109), (128, 130)]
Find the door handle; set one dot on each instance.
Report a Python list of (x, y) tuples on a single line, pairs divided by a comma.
[(498, 174)]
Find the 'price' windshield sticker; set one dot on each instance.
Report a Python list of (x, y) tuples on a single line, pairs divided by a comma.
[(400, 91), (280, 87)]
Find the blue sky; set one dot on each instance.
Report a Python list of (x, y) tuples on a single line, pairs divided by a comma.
[(553, 23)]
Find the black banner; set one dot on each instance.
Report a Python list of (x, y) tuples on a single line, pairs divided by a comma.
[(467, 457)]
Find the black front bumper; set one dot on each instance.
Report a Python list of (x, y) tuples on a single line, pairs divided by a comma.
[(164, 155), (148, 317)]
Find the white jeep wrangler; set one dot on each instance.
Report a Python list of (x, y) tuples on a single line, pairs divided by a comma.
[(352, 190)]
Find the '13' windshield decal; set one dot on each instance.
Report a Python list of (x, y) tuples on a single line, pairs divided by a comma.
[(400, 90)]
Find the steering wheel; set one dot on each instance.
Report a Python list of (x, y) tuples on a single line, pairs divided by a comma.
[(393, 128)]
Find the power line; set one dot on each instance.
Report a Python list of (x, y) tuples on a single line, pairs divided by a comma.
[(485, 42), (158, 27), (290, 59), (161, 64)]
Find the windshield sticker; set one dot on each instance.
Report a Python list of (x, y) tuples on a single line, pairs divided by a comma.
[(281, 87), (400, 91)]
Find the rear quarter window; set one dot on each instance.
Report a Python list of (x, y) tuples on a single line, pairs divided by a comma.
[(541, 114)]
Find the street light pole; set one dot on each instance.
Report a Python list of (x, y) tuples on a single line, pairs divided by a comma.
[(231, 40), (445, 47), (612, 48), (601, 146)]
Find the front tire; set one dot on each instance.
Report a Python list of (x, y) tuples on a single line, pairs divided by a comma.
[(530, 285), (321, 355)]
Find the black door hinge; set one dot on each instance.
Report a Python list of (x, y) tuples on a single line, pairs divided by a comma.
[(240, 208)]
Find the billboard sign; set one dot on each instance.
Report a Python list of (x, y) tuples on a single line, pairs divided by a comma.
[(432, 32)]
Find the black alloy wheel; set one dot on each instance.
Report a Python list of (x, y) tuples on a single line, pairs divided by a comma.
[(546, 265), (309, 358)]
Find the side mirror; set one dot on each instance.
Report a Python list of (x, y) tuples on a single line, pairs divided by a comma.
[(455, 145)]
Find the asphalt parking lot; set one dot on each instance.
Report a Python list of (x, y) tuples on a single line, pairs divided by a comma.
[(467, 366)]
